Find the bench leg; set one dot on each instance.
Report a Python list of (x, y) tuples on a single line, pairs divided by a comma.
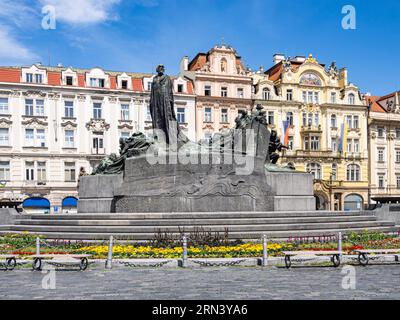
[(336, 260), (288, 263), (363, 259), (37, 264), (11, 264), (84, 264)]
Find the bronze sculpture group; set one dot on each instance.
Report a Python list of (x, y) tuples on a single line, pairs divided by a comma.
[(165, 123)]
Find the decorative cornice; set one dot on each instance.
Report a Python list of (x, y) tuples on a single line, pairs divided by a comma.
[(97, 125), (34, 121), (34, 93), (69, 124)]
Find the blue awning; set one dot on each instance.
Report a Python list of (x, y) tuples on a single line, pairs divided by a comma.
[(70, 202), (36, 203)]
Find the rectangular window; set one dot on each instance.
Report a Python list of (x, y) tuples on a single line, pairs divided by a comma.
[(271, 119), (316, 119), (180, 115), (397, 181), (70, 172), (306, 143), (355, 122), (29, 170), (289, 95), (208, 137), (381, 132), (98, 143), (334, 145), (3, 105), (333, 97), (40, 138), (39, 108), (314, 143), (149, 85), (224, 92), (304, 96), (207, 91), (124, 84), (28, 107), (125, 135), (397, 133), (101, 83), (93, 82), (29, 137), (224, 115), (29, 77), (69, 109), (304, 119), (381, 182), (207, 115), (356, 145), (41, 171), (316, 97), (69, 80), (180, 88), (4, 137), (290, 143), (5, 170), (125, 112), (96, 110), (38, 78), (397, 156), (381, 155), (69, 139), (148, 114), (310, 97), (240, 93), (349, 122)]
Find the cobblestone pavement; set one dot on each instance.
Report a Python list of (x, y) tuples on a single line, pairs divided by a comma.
[(373, 282)]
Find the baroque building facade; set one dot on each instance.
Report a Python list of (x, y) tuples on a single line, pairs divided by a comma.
[(324, 120), (55, 122), (384, 140), (222, 86)]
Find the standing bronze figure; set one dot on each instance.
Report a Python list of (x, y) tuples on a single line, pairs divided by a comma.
[(162, 107)]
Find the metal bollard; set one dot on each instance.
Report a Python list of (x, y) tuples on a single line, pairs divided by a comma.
[(265, 251), (38, 246), (110, 252), (340, 247), (184, 253)]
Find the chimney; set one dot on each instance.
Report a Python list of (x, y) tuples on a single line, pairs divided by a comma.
[(278, 57), (300, 59), (184, 66), (59, 65)]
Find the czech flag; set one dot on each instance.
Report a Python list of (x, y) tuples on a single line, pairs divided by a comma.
[(285, 133), (343, 138)]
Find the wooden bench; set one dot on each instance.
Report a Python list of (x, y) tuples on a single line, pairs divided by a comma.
[(11, 261), (64, 259), (335, 256), (363, 255)]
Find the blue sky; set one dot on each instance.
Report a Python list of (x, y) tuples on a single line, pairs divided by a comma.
[(136, 35)]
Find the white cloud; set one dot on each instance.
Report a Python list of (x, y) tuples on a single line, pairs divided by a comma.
[(11, 51), (20, 14), (83, 12)]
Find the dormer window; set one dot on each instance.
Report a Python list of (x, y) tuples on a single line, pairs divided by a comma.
[(34, 78), (94, 82), (124, 84), (351, 98), (180, 88), (69, 80)]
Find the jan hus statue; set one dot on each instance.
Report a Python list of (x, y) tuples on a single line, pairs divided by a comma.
[(162, 109)]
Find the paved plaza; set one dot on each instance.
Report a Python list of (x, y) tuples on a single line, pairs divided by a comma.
[(373, 282)]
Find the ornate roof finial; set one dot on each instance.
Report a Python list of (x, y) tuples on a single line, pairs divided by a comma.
[(311, 59)]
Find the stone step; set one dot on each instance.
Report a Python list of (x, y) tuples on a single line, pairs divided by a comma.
[(232, 235), (213, 228), (200, 215), (195, 222)]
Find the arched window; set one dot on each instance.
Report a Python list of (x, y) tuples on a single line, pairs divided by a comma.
[(351, 98), (315, 170), (353, 172), (224, 65), (333, 121), (289, 118), (266, 94)]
